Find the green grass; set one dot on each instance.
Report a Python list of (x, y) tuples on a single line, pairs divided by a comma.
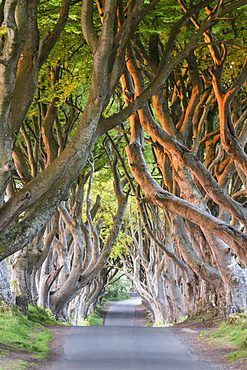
[(94, 319), (40, 315), (235, 334), (4, 353), (234, 356), (17, 365), (232, 331), (19, 332)]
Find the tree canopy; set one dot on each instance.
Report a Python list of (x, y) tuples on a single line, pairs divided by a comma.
[(152, 95)]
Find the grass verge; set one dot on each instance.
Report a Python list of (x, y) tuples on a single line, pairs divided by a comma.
[(17, 365), (232, 333), (95, 318), (23, 335)]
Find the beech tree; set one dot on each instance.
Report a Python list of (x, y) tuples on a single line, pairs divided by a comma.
[(108, 64), (202, 213), (171, 91)]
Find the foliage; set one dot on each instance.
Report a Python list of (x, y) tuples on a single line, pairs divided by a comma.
[(118, 290), (167, 323), (65, 80), (62, 75), (17, 331), (181, 319), (120, 247), (149, 316), (95, 318), (161, 18), (5, 308)]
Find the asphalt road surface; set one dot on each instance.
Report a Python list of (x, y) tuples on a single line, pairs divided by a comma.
[(122, 313), (115, 347)]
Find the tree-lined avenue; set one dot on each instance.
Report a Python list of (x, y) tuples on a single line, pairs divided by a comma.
[(125, 347)]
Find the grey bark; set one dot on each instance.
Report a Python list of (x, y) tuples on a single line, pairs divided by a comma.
[(5, 293)]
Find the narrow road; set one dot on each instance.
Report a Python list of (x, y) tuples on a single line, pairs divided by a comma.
[(122, 313), (116, 347)]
